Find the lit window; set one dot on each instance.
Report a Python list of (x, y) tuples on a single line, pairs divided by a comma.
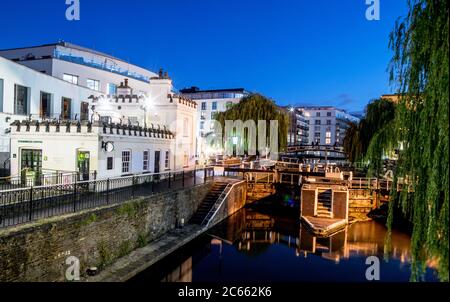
[(328, 141), (145, 161), (126, 159), (328, 134), (70, 78), (93, 84)]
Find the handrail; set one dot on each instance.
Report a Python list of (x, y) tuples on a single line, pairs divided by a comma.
[(215, 209), (104, 179)]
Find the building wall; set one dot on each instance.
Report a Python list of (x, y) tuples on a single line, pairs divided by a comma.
[(12, 73), (60, 149), (333, 122)]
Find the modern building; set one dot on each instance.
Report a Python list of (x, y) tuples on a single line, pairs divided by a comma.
[(211, 102), (298, 132), (62, 83), (327, 124), (26, 93)]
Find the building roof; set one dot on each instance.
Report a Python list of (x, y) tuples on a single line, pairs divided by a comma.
[(194, 89)]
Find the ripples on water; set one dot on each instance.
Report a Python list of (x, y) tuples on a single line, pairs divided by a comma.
[(251, 246)]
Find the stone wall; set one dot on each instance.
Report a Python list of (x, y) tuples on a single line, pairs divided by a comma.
[(38, 251), (361, 202)]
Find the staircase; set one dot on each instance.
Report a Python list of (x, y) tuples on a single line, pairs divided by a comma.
[(208, 202), (324, 203)]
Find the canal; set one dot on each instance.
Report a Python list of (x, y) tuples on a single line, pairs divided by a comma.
[(253, 245)]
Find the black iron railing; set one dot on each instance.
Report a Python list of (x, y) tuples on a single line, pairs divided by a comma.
[(22, 205)]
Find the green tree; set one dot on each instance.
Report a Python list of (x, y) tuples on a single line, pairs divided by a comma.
[(373, 136), (420, 69), (257, 107)]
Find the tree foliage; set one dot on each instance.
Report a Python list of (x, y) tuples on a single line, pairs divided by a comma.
[(420, 69), (257, 107), (373, 136)]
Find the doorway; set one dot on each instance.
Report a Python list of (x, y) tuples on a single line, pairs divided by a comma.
[(46, 99), (31, 166), (83, 164), (66, 108), (157, 161)]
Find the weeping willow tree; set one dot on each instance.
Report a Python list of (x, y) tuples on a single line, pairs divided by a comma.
[(374, 136), (420, 69), (257, 107)]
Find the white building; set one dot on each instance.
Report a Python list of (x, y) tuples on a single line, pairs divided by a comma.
[(211, 102), (25, 92), (327, 125), (71, 83)]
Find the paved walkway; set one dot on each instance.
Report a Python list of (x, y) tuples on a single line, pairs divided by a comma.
[(137, 261)]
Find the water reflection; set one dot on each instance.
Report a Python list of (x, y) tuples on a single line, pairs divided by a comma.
[(253, 246)]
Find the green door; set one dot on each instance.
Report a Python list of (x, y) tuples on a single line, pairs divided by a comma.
[(31, 166), (83, 159)]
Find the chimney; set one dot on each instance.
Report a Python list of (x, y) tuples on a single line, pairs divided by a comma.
[(160, 73), (126, 83)]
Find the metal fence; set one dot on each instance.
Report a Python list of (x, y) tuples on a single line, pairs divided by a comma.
[(44, 178), (18, 206)]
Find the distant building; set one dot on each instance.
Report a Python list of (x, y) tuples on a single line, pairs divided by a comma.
[(211, 102), (298, 131), (327, 124)]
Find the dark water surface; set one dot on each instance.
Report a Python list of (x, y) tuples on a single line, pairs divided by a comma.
[(252, 246)]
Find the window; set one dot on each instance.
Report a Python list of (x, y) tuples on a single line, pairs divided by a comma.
[(84, 111), (145, 161), (328, 122), (185, 127), (93, 84), (66, 110), (317, 128), (21, 100), (1, 95), (328, 134), (328, 113), (110, 163), (203, 105), (44, 109), (111, 89), (214, 105), (317, 122), (203, 115), (328, 141), (186, 159), (70, 78), (133, 120), (126, 159), (213, 115), (202, 125), (318, 114), (167, 160), (317, 134)]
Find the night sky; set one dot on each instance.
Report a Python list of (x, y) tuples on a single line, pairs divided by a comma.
[(296, 52)]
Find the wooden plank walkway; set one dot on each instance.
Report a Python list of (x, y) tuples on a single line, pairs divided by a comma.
[(324, 226)]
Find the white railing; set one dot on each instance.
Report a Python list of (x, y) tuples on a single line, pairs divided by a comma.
[(218, 204)]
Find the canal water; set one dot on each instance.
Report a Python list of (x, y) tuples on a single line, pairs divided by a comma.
[(253, 245)]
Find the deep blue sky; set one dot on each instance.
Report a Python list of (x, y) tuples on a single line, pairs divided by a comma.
[(297, 52)]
